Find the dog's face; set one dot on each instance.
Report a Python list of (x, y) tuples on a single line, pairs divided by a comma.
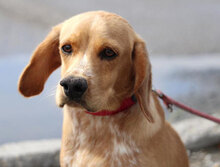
[(100, 56), (102, 62)]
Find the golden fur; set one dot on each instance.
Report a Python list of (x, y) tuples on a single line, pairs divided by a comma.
[(136, 137)]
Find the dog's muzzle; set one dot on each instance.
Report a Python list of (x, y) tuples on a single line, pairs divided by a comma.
[(74, 87)]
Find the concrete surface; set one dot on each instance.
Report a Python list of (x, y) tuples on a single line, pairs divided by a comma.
[(42, 153), (197, 133), (208, 157), (45, 153)]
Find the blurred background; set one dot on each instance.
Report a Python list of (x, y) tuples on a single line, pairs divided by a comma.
[(183, 39)]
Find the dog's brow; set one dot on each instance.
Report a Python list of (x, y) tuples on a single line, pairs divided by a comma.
[(69, 38), (113, 45)]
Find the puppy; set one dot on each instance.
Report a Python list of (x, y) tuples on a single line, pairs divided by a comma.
[(111, 116)]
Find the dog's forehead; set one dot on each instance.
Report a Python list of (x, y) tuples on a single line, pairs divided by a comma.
[(101, 24)]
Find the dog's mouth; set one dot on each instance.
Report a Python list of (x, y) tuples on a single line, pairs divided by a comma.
[(81, 103), (85, 106)]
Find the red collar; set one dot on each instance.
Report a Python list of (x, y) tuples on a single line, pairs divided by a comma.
[(127, 103)]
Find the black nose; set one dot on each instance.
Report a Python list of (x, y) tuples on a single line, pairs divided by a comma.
[(74, 87)]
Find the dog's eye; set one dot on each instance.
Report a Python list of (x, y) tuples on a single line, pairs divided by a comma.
[(67, 49), (107, 54)]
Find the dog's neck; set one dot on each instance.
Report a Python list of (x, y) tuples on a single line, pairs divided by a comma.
[(120, 134), (129, 121), (125, 105)]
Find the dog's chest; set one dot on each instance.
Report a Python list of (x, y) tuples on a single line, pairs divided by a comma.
[(100, 142)]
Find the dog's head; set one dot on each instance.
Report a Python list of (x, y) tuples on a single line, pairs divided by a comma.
[(102, 61)]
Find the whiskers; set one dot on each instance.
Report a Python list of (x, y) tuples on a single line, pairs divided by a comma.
[(50, 93)]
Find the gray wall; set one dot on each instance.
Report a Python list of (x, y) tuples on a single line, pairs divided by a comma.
[(169, 26)]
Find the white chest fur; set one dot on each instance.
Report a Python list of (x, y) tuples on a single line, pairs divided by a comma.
[(99, 141)]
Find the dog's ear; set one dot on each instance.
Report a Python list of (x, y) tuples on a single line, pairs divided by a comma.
[(44, 61), (143, 80)]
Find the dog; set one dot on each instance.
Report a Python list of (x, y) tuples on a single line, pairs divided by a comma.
[(112, 118)]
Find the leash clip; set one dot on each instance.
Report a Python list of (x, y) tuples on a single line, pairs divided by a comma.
[(169, 107), (164, 98), (158, 93)]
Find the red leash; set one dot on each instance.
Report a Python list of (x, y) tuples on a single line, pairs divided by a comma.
[(169, 102)]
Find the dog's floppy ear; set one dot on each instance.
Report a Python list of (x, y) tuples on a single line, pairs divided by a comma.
[(44, 61), (143, 81)]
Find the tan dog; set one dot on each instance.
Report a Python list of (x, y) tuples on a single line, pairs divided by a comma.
[(103, 62)]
